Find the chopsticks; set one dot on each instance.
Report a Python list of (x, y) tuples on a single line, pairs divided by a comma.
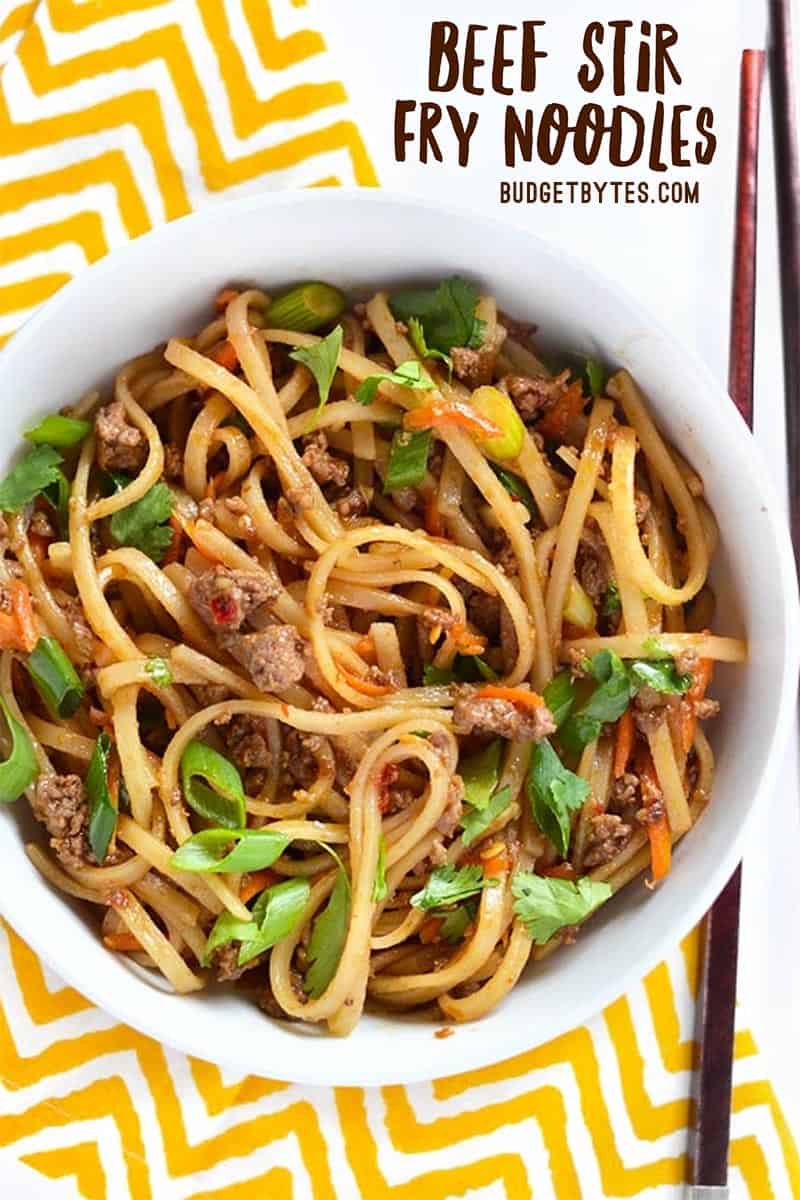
[(716, 1014), (787, 186)]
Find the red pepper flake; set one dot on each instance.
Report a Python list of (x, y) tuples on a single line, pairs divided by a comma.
[(224, 609)]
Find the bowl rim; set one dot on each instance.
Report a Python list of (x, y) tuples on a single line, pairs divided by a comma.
[(468, 1052)]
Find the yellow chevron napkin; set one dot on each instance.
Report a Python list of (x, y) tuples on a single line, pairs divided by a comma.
[(116, 115)]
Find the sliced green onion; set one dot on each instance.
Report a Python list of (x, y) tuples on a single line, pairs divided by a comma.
[(328, 936), (275, 914), (559, 696), (380, 888), (408, 459), (578, 609), (480, 774), (277, 911), (517, 488), (159, 671), (57, 494), (466, 668), (221, 797), (227, 928), (307, 307), (499, 408), (595, 374), (102, 813), (58, 431), (20, 769), (230, 850), (56, 680)]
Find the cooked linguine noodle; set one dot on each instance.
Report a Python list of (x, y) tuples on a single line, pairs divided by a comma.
[(354, 652)]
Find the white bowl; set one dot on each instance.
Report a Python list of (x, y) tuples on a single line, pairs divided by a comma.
[(162, 284)]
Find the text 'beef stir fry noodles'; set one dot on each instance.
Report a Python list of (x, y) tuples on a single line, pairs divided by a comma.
[(355, 650)]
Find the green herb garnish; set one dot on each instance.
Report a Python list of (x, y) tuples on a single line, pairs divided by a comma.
[(32, 475), (328, 936), (55, 678), (159, 671), (62, 432), (475, 821), (102, 813), (450, 884), (408, 459), (322, 360), (141, 524), (446, 313), (555, 793), (409, 374), (546, 905), (223, 851), (18, 771), (220, 795)]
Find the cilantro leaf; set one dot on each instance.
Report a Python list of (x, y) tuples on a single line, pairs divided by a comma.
[(408, 459), (31, 476), (380, 888), (546, 905), (611, 601), (449, 884), (559, 696), (446, 313), (466, 668), (555, 793), (328, 937), (476, 821), (653, 649), (417, 337), (322, 360), (662, 676), (456, 921), (409, 374), (140, 524), (606, 704)]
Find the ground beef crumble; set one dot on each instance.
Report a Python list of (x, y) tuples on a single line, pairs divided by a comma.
[(226, 598), (324, 466), (120, 445), (59, 802), (247, 738), (273, 657), (608, 834), (476, 714)]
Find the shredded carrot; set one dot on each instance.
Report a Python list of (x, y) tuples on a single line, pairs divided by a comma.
[(123, 941), (366, 649), (624, 744), (526, 699), (430, 930), (367, 688), (433, 518), (255, 882), (467, 641), (557, 420), (19, 629), (452, 412), (660, 847), (226, 356), (658, 831), (498, 865), (701, 677), (562, 870), (224, 298)]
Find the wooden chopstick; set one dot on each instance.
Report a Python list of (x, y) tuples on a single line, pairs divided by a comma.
[(716, 1013), (787, 187)]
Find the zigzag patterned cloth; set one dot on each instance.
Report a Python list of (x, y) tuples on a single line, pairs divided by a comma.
[(116, 115)]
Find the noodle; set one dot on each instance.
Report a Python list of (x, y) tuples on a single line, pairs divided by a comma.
[(305, 677)]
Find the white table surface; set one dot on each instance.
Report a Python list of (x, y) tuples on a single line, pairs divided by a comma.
[(677, 260)]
